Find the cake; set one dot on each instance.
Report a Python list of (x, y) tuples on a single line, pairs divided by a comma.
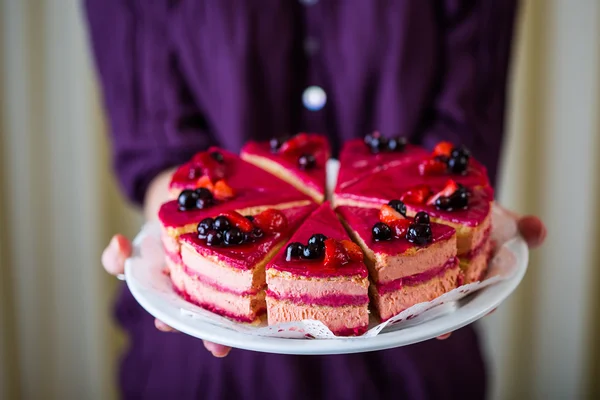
[(299, 160), (222, 266), (320, 275), (410, 261)]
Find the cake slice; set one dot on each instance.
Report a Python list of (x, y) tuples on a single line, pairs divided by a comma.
[(468, 211), (222, 266), (361, 157), (320, 275), (435, 169), (300, 160), (410, 261)]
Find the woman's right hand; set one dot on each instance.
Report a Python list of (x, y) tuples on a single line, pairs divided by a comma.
[(119, 248)]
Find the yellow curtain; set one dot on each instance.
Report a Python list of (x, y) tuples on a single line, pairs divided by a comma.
[(59, 205)]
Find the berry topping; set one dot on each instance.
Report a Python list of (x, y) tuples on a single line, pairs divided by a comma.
[(447, 191), (236, 219), (218, 157), (274, 144), (233, 236), (204, 226), (317, 238), (221, 223), (419, 234), (396, 144), (194, 173), (294, 250), (370, 136), (378, 143), (307, 161), (400, 227), (205, 182), (398, 206), (456, 201), (214, 238), (187, 200), (201, 203), (432, 166), (443, 149), (417, 195), (381, 232), (271, 220), (223, 191), (387, 214), (296, 144), (422, 218), (204, 193), (459, 160), (210, 166), (335, 254), (312, 251), (249, 217), (353, 250), (257, 233)]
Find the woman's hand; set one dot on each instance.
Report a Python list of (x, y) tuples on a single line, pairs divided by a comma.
[(533, 231), (119, 248)]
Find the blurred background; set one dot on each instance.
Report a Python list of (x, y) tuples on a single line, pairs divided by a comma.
[(59, 205)]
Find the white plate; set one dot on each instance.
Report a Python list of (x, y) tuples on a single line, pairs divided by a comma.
[(154, 292)]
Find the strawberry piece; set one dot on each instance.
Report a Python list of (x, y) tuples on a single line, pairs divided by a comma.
[(222, 191), (387, 214), (400, 227), (417, 195), (447, 191), (443, 149), (210, 167), (237, 219), (353, 250), (271, 220), (205, 182), (335, 254), (432, 166), (296, 144)]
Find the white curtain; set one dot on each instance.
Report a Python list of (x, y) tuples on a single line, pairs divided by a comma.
[(59, 205)]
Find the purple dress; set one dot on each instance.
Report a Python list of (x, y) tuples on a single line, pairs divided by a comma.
[(180, 75)]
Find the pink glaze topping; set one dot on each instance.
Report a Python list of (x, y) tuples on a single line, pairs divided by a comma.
[(323, 221), (246, 256), (334, 300), (413, 280), (357, 161), (361, 220), (314, 177)]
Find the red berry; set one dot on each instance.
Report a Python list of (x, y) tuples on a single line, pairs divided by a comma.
[(335, 255), (400, 227), (295, 144), (417, 195), (271, 221), (443, 149), (238, 220), (210, 166), (447, 191), (352, 250), (387, 214), (432, 166)]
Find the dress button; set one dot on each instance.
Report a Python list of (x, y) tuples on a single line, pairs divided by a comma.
[(309, 2), (314, 98), (311, 46)]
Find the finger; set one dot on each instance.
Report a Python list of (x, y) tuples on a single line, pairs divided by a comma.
[(533, 230), (217, 350), (161, 326), (444, 336), (114, 256)]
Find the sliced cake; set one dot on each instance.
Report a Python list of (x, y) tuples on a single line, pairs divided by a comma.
[(320, 275), (222, 266), (299, 160), (466, 210), (410, 261), (361, 157)]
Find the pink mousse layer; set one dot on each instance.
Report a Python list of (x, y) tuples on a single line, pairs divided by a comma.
[(313, 178), (390, 183), (357, 161), (475, 268), (394, 302), (416, 279), (245, 256), (170, 244), (342, 321), (240, 308), (397, 258), (482, 244), (324, 221)]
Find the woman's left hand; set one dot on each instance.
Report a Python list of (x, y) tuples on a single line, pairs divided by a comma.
[(533, 231)]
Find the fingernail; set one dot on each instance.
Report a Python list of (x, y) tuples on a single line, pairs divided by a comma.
[(444, 336)]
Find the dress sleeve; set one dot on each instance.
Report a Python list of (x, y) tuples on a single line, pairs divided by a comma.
[(154, 122), (468, 107)]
